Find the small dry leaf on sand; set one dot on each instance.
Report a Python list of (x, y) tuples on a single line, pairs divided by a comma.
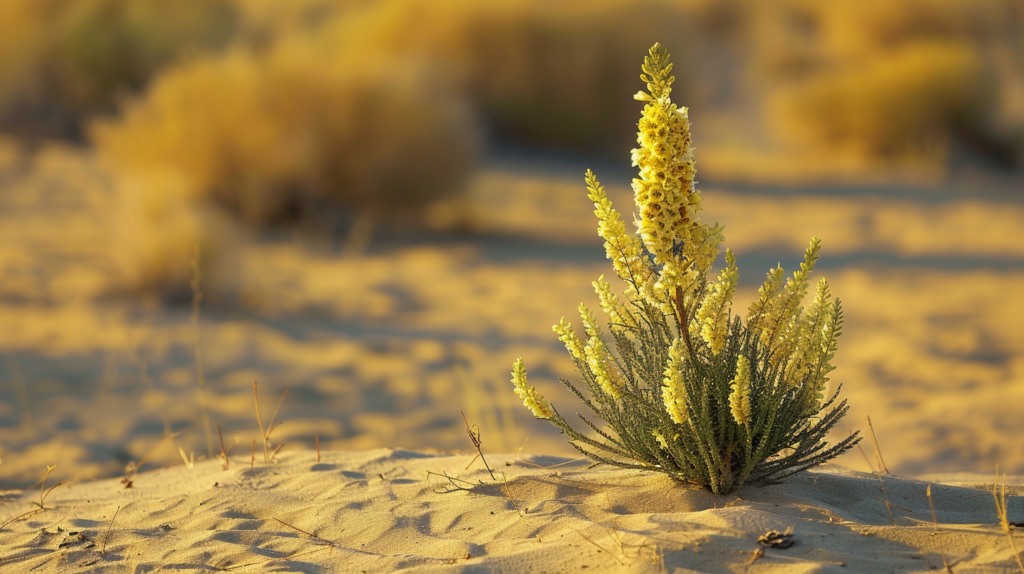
[(776, 539)]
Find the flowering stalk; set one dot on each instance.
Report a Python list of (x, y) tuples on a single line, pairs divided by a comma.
[(690, 389)]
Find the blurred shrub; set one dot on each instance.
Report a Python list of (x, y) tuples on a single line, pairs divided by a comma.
[(894, 79), (279, 136), (154, 232), (906, 103), (63, 59), (553, 74)]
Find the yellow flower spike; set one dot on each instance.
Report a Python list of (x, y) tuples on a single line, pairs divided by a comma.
[(673, 390), (533, 400), (590, 325), (765, 306), (809, 336), (604, 369), (713, 315), (569, 338), (610, 304), (622, 249), (665, 162), (739, 399)]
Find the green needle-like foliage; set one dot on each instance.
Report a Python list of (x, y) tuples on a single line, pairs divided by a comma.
[(691, 389)]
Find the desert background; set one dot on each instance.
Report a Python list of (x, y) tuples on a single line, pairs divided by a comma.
[(378, 205)]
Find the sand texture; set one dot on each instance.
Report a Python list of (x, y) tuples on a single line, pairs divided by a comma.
[(392, 511)]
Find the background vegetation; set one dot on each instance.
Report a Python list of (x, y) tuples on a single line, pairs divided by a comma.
[(283, 137)]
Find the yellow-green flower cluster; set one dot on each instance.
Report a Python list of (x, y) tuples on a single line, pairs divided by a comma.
[(739, 399), (623, 249), (777, 312), (610, 304), (598, 358), (673, 390), (663, 191), (570, 339), (713, 315), (532, 399)]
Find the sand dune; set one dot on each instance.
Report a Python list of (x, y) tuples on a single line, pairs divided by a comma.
[(393, 511)]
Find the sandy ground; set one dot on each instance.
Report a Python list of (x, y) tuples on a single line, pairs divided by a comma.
[(379, 349), (398, 511)]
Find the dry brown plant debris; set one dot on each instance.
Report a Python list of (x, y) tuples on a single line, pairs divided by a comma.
[(265, 432), (132, 468), (999, 495)]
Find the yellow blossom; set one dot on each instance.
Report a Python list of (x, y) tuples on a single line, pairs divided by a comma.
[(569, 338), (598, 357), (603, 367), (533, 400), (590, 326), (739, 399), (673, 390), (621, 248), (610, 304), (664, 187), (713, 315), (763, 308)]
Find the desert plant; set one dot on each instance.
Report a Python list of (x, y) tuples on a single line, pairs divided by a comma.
[(62, 60), (693, 391), (294, 132), (549, 74)]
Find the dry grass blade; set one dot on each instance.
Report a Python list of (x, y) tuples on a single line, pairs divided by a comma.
[(878, 452), (132, 468), (224, 452), (269, 560), (43, 493), (265, 432), (474, 437), (307, 533), (103, 550), (935, 531), (452, 481), (189, 459), (508, 493), (866, 459), (327, 544), (602, 548), (20, 516), (999, 495)]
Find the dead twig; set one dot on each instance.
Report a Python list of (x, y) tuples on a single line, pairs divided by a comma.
[(474, 437), (454, 487), (326, 545), (307, 533)]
